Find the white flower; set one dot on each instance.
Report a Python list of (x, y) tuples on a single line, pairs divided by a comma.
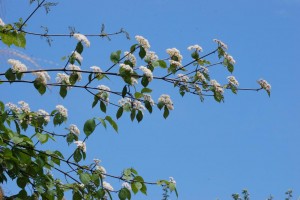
[(97, 161), (126, 68), (229, 58), (205, 69), (24, 106), (81, 145), (133, 81), (82, 38), (103, 93), (173, 62), (220, 43), (195, 47), (107, 186), (96, 69), (42, 77), (62, 110), (200, 76), (147, 73), (172, 180), (138, 105), (102, 170), (17, 66), (62, 78), (143, 42), (74, 129), (265, 85), (44, 114), (151, 56), (130, 57), (125, 103), (13, 107), (183, 78), (175, 52), (81, 185), (198, 88), (218, 88), (126, 185), (164, 98), (75, 67), (77, 56), (232, 80), (149, 99), (2, 22)]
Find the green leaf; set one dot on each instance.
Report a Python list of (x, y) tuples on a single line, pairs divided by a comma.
[(166, 112), (79, 47), (21, 40), (96, 99), (102, 106), (112, 123), (139, 116), (122, 194), (132, 114), (195, 55), (119, 112), (162, 64), (85, 178), (144, 189), (22, 182), (145, 81), (89, 127), (138, 185), (230, 67), (73, 78), (77, 196), (138, 95), (160, 105), (146, 90), (148, 106), (102, 122), (142, 52), (41, 88), (43, 138), (133, 48), (63, 91), (115, 56), (10, 75), (77, 155), (124, 91), (134, 188)]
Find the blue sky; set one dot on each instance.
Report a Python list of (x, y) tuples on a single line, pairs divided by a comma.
[(211, 149)]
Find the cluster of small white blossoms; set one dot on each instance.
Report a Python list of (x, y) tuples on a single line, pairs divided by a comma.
[(183, 78), (232, 80), (143, 42), (173, 62), (17, 66), (147, 73), (74, 129), (103, 93), (200, 76), (13, 107), (175, 52), (127, 104), (172, 180), (137, 105), (102, 170), (62, 110), (81, 145), (130, 57), (195, 47), (148, 98), (107, 186), (24, 106), (221, 44), (198, 88), (82, 38), (75, 67), (218, 88), (126, 67), (265, 85), (42, 77), (205, 69), (164, 98), (126, 185), (229, 58), (44, 114), (2, 22), (76, 55), (60, 78), (96, 69), (151, 56)]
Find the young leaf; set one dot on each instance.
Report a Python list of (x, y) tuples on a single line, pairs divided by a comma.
[(146, 90), (102, 106), (85, 178), (63, 91), (112, 123), (89, 127), (115, 56)]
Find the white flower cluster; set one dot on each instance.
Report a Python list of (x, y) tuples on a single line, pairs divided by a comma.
[(13, 107), (103, 93), (265, 85), (221, 44), (42, 77), (81, 145), (75, 67), (172, 180), (218, 88), (138, 105), (232, 80), (126, 68), (74, 129), (77, 56), (2, 22), (229, 58), (102, 170), (62, 110), (195, 47), (200, 77), (151, 56), (173, 62), (24, 106), (148, 98), (62, 78), (205, 69), (147, 73), (130, 57), (96, 70), (44, 114), (183, 78), (164, 98), (17, 66), (126, 185), (82, 38), (97, 161), (198, 88), (127, 104), (142, 41), (107, 186), (175, 52)]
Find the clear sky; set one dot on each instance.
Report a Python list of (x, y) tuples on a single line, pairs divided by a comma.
[(211, 149)]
